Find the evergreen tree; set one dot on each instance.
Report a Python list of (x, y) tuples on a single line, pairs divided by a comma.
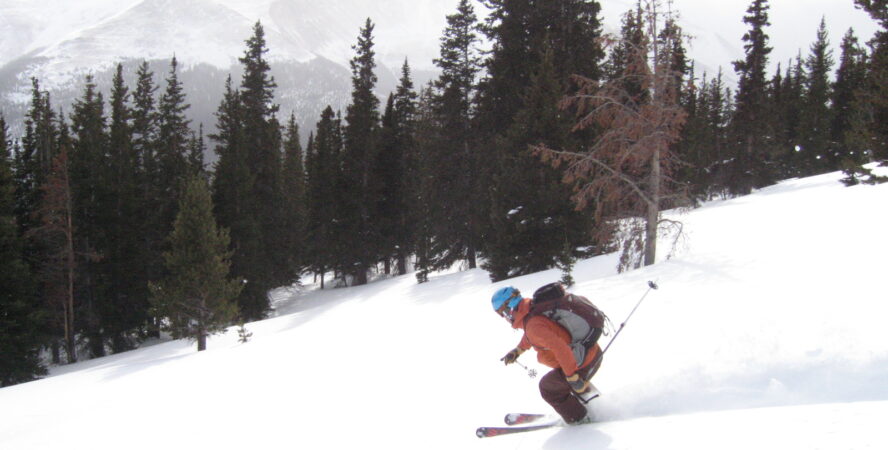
[(876, 85), (816, 118), (422, 168), (389, 170), (20, 336), (361, 144), (259, 259), (323, 204), (458, 175), (847, 106), (196, 149), (294, 205), (522, 32), (171, 147), (751, 149), (405, 139), (530, 226), (793, 101), (153, 228), (720, 108), (197, 295), (92, 204), (128, 294), (32, 164)]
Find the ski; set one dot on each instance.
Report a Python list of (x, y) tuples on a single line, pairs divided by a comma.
[(522, 418), (485, 432)]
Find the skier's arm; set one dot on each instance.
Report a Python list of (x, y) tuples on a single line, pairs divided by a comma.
[(543, 333)]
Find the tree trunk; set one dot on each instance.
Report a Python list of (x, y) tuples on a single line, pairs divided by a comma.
[(69, 269), (201, 339), (653, 212)]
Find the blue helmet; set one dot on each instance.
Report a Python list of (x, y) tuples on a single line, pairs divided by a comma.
[(506, 294)]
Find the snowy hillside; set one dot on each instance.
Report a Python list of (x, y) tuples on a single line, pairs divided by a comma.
[(767, 332)]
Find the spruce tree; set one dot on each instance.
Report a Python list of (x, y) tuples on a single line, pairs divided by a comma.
[(197, 295), (460, 196), (32, 164), (530, 226), (259, 259), (405, 104), (144, 145), (361, 144), (294, 204), (124, 257), (423, 168), (197, 147), (20, 335), (816, 118), (389, 170), (522, 32), (751, 150), (323, 202), (172, 146), (89, 174), (877, 82), (849, 109)]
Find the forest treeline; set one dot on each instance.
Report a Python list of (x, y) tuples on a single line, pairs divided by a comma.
[(515, 159)]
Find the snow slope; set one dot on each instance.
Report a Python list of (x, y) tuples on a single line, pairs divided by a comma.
[(767, 332)]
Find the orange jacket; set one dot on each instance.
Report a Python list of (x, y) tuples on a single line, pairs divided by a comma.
[(550, 340)]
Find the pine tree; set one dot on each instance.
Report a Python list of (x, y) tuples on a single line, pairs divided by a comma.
[(323, 203), (32, 165), (171, 146), (530, 226), (361, 144), (752, 152), (793, 100), (153, 229), (92, 205), (522, 32), (848, 108), (405, 137), (816, 115), (197, 295), (294, 205), (259, 259), (128, 293), (423, 167), (458, 174), (196, 150), (876, 85), (389, 170), (20, 336)]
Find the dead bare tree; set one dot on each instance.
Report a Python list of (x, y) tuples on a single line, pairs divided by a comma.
[(625, 173), (57, 233)]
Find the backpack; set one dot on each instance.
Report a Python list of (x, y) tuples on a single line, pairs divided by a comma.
[(576, 314)]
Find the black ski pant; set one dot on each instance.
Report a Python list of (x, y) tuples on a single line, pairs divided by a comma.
[(557, 392)]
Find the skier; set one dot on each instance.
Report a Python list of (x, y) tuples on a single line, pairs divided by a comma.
[(564, 330)]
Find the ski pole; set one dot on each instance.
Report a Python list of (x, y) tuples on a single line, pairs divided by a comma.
[(651, 285), (530, 372)]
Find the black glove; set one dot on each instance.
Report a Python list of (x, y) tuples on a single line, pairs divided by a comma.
[(512, 356), (579, 385)]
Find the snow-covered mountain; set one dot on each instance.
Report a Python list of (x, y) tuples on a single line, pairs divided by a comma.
[(767, 332), (59, 41)]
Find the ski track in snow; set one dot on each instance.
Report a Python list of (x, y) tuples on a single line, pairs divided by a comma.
[(767, 332)]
